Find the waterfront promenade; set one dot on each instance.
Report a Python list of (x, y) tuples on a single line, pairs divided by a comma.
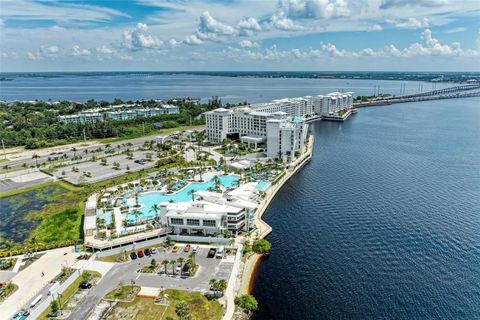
[(263, 229)]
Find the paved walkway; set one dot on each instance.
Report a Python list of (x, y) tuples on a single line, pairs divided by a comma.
[(18, 263), (30, 280)]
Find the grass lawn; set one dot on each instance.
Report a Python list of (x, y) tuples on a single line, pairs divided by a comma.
[(151, 133), (68, 293), (121, 293), (59, 184), (139, 309), (199, 306), (145, 308)]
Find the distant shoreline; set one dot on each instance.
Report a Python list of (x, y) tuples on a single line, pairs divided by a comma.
[(440, 77)]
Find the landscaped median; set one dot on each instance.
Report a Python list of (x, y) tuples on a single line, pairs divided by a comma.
[(64, 302)]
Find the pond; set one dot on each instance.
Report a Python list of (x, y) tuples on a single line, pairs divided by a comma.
[(15, 222)]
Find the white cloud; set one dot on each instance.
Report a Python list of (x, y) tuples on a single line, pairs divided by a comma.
[(57, 11), (77, 51), (210, 27), (174, 43), (455, 30), (375, 28), (105, 50), (388, 4), (51, 50), (139, 38), (248, 44), (314, 9), (248, 26), (193, 40), (281, 22), (34, 56), (411, 23)]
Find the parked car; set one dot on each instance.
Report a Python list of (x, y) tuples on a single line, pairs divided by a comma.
[(133, 256), (178, 268), (211, 252), (85, 285), (140, 254), (175, 248), (195, 249), (153, 250), (187, 248), (220, 252), (147, 252)]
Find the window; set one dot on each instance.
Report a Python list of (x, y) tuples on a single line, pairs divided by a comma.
[(209, 223), (193, 222), (176, 221)]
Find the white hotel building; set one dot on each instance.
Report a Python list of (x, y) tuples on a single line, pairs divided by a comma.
[(112, 113), (280, 123), (211, 214)]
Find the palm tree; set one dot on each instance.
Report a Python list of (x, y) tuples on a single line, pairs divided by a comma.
[(222, 285), (173, 263), (213, 284), (192, 193), (165, 264), (35, 156), (180, 261), (136, 213), (217, 182), (154, 208), (192, 256)]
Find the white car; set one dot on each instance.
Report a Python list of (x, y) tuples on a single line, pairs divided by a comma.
[(195, 248), (178, 268), (153, 250)]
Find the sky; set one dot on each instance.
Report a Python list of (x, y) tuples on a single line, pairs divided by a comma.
[(178, 35)]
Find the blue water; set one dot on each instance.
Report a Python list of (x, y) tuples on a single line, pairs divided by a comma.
[(132, 86), (384, 222), (261, 184), (151, 198)]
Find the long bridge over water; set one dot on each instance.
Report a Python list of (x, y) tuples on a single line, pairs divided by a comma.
[(462, 91)]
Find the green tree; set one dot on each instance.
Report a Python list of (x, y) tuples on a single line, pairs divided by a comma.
[(165, 264), (261, 246), (246, 302), (181, 309), (54, 307), (191, 192), (180, 261)]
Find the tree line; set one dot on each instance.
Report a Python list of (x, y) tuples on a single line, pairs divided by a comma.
[(36, 125)]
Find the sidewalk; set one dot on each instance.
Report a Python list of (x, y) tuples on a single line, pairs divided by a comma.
[(30, 280)]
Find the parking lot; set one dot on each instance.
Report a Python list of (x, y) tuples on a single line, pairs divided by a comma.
[(100, 172), (127, 273)]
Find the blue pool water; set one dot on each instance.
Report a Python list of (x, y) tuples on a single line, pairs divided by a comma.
[(261, 184), (151, 198)]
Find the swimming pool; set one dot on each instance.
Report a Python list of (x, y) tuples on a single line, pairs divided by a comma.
[(261, 185), (156, 197)]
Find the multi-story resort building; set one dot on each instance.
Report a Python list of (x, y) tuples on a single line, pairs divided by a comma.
[(279, 124), (119, 112), (212, 214)]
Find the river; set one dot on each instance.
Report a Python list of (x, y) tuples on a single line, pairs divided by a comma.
[(384, 222)]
